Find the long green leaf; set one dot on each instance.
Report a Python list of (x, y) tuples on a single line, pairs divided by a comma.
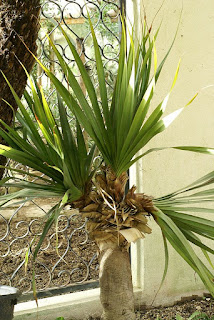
[(101, 78), (195, 240), (38, 141), (53, 215), (180, 243), (30, 161)]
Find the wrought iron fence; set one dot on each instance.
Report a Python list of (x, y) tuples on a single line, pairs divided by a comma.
[(72, 258), (73, 17)]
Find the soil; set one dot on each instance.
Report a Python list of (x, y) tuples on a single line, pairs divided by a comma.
[(73, 262), (183, 309)]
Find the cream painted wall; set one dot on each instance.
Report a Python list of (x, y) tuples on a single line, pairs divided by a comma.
[(165, 171)]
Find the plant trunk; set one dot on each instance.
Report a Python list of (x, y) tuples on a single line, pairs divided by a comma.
[(116, 289), (115, 219), (18, 19)]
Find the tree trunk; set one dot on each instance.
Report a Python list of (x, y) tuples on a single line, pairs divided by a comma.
[(18, 18), (116, 289), (115, 219)]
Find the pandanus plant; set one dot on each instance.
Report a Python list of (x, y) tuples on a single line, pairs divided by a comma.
[(119, 128)]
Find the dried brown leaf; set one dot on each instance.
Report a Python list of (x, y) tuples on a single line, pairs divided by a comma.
[(140, 217), (91, 226), (131, 234), (90, 207), (91, 215), (143, 228)]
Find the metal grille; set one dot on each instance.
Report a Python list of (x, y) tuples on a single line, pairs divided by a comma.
[(72, 16), (72, 258)]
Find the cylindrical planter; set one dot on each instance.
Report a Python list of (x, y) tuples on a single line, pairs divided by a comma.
[(8, 298)]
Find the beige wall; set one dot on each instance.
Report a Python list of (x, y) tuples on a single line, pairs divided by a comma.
[(166, 171)]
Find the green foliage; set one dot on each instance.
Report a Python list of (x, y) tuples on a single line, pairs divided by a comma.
[(106, 30), (119, 129), (175, 216), (53, 149), (123, 127), (50, 147)]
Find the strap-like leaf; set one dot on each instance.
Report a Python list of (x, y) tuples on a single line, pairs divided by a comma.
[(30, 161), (182, 246)]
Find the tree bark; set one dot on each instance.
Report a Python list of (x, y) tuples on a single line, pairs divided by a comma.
[(116, 289), (115, 219), (18, 19)]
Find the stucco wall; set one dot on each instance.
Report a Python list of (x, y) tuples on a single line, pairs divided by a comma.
[(166, 171)]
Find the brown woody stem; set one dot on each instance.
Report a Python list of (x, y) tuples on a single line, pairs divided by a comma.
[(116, 289)]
